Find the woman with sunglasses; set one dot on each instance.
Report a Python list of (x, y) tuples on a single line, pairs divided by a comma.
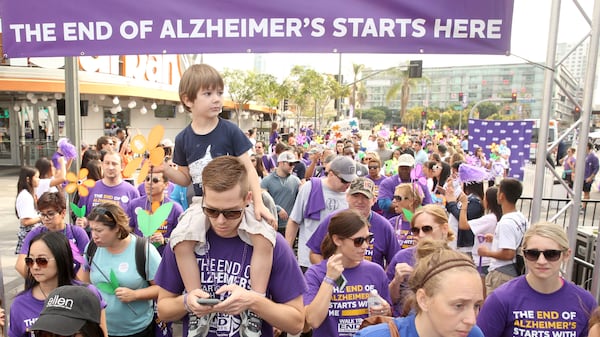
[(406, 200), (445, 296), (428, 222), (80, 319), (130, 308), (49, 264), (541, 302), (52, 210), (338, 287)]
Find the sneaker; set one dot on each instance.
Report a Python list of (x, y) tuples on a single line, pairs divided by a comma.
[(198, 326), (251, 324)]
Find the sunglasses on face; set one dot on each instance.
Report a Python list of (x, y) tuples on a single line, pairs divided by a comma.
[(228, 214), (425, 229), (154, 180), (551, 255), (42, 262), (359, 241), (400, 198)]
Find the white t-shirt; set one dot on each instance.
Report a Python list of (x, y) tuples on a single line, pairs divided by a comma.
[(508, 235), (481, 226), (25, 205), (44, 186)]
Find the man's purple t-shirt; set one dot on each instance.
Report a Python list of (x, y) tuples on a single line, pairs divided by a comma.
[(122, 194), (228, 262)]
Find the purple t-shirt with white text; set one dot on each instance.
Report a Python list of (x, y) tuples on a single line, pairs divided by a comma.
[(228, 262), (122, 194), (348, 307), (516, 309)]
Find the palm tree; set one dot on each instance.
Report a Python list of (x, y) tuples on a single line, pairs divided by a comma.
[(356, 69), (402, 87)]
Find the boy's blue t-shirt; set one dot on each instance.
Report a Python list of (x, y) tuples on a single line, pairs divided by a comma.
[(196, 151)]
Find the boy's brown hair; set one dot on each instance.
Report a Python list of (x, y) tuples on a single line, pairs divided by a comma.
[(196, 77)]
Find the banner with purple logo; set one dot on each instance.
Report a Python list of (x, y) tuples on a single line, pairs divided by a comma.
[(115, 27), (489, 134)]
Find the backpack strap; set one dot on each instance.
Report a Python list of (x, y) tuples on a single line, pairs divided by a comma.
[(141, 245)]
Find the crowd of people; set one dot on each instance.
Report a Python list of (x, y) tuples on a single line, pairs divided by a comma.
[(235, 236)]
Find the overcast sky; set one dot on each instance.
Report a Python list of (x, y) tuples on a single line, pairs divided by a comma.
[(531, 22)]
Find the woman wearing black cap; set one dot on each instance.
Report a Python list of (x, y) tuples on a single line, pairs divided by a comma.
[(70, 311)]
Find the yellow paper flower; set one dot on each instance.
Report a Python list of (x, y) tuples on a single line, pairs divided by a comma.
[(139, 146), (79, 183), (431, 124)]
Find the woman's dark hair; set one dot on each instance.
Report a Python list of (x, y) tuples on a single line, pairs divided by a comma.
[(443, 175), (44, 166), (91, 329), (54, 200), (89, 155), (59, 246), (344, 224), (25, 179), (491, 198), (258, 165), (94, 169), (112, 216)]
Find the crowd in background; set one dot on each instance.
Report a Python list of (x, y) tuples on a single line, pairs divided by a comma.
[(416, 217)]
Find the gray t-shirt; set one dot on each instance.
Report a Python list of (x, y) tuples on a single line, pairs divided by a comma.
[(283, 191), (333, 201)]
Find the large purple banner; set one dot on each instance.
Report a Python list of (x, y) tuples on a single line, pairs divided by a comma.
[(489, 134), (116, 27)]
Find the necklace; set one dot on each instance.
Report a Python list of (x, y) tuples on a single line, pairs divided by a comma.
[(42, 290)]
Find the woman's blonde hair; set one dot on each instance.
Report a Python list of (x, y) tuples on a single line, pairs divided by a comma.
[(434, 259), (408, 189), (547, 230)]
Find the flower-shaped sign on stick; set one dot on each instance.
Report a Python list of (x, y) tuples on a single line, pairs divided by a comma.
[(79, 183), (140, 146), (149, 223)]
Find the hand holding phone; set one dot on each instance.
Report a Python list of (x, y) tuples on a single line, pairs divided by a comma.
[(208, 301)]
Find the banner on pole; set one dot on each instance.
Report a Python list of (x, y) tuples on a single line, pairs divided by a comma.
[(115, 27)]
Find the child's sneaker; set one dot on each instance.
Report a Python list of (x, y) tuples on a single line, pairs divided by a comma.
[(251, 324), (198, 326)]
